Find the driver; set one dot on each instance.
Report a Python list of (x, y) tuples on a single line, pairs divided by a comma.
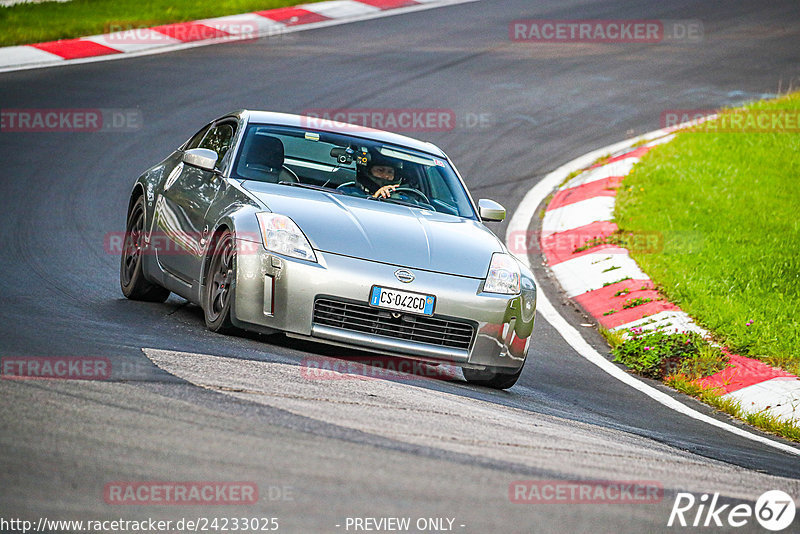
[(379, 178)]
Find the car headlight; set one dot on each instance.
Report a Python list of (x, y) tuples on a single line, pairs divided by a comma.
[(281, 235), (504, 275)]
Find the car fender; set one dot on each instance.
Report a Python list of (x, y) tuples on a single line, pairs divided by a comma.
[(150, 184), (240, 218), (524, 325)]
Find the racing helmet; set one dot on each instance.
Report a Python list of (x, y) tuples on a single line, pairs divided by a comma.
[(367, 162)]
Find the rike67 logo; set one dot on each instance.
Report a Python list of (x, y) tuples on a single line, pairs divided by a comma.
[(774, 510)]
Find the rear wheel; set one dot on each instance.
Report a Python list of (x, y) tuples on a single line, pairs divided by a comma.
[(219, 284), (131, 279), (491, 377)]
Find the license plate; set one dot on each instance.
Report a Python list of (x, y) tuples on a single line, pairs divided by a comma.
[(395, 299)]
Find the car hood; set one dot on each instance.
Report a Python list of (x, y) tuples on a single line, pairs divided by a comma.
[(382, 231)]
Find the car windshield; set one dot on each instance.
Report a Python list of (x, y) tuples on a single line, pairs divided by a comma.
[(350, 166)]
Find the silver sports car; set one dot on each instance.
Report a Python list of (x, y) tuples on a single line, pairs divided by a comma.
[(334, 233)]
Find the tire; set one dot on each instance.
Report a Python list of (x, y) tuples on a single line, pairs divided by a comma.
[(131, 278), (491, 377), (219, 285)]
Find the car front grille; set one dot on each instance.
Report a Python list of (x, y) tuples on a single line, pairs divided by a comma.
[(418, 328)]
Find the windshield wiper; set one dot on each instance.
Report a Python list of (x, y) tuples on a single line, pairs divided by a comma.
[(311, 186)]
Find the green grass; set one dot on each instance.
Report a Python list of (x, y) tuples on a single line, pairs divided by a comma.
[(34, 23), (713, 397), (613, 337), (728, 206), (601, 160), (657, 354)]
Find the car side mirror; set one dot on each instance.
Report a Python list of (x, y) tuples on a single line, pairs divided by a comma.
[(491, 211), (202, 158)]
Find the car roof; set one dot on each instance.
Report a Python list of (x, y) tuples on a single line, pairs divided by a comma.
[(324, 125)]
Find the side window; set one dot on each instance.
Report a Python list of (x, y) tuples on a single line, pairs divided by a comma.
[(219, 140), (194, 142)]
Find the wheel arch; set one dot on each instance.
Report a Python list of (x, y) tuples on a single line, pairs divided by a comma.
[(212, 243), (136, 192), (239, 218)]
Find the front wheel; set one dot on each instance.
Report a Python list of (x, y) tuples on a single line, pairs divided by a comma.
[(219, 284), (491, 377), (131, 278)]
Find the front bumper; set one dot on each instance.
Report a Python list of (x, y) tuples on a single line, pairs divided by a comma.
[(275, 293)]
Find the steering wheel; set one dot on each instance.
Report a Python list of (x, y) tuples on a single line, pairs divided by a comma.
[(346, 184), (413, 191)]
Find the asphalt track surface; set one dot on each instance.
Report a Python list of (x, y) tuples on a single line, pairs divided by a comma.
[(238, 408)]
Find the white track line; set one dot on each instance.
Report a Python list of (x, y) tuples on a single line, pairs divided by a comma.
[(779, 396), (589, 272), (577, 214), (618, 168), (14, 55), (519, 223), (270, 32), (339, 9), (667, 321)]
